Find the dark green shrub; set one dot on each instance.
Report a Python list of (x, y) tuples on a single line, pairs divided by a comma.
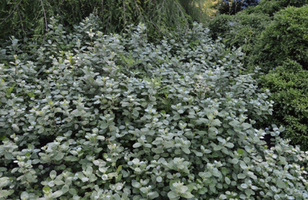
[(289, 87), (240, 30), (286, 37), (232, 7), (116, 117), (270, 7)]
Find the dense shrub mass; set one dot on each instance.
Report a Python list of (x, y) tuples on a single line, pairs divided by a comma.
[(116, 117), (270, 7), (289, 87), (286, 37), (241, 30), (234, 6)]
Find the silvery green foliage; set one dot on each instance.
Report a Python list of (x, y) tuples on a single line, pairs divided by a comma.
[(116, 117)]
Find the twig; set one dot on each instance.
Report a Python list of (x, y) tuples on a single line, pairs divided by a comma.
[(45, 16), (102, 15), (160, 11), (146, 31), (22, 26), (124, 12)]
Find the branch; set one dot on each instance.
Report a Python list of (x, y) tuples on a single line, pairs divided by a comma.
[(11, 12), (46, 25), (124, 12), (22, 26)]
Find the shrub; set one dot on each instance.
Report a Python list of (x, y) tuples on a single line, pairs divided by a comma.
[(240, 30), (286, 37), (289, 87), (117, 117), (270, 7), (234, 6)]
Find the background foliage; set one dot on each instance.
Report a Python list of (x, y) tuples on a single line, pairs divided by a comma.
[(270, 7), (241, 30), (286, 37), (232, 7), (28, 19), (288, 85)]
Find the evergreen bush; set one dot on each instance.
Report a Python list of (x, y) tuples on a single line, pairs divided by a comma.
[(286, 37), (270, 7), (232, 7), (240, 30), (116, 117), (289, 87)]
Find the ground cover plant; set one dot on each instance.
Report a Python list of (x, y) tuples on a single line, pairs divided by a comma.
[(116, 117)]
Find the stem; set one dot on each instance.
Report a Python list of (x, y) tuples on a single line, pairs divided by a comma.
[(46, 25)]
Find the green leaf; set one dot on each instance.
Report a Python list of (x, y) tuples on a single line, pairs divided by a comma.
[(72, 191), (6, 193), (56, 194), (59, 156), (281, 184), (65, 189), (52, 174), (46, 190), (4, 181), (246, 125), (136, 145), (229, 145), (217, 147), (243, 165), (152, 195), (71, 158), (216, 122), (173, 195), (228, 181), (240, 151), (249, 192), (207, 174), (15, 127), (24, 195), (2, 138), (187, 195), (119, 168), (186, 150), (244, 186), (241, 176), (136, 184), (159, 179)]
